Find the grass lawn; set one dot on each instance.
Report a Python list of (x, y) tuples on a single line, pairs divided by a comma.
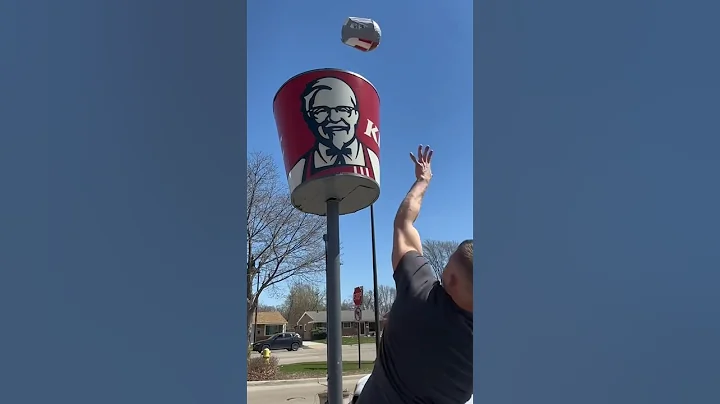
[(352, 340), (319, 369)]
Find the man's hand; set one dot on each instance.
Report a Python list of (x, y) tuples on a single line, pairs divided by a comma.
[(422, 163), (405, 236)]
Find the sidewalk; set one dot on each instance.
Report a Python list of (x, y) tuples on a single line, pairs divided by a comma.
[(295, 391), (318, 380), (314, 345)]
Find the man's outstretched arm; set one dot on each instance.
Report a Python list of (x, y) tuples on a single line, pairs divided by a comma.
[(405, 236)]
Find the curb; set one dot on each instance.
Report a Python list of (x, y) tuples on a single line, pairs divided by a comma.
[(319, 380)]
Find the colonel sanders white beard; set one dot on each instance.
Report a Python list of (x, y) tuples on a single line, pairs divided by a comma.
[(338, 138)]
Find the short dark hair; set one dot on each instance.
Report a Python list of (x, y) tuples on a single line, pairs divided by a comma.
[(464, 255)]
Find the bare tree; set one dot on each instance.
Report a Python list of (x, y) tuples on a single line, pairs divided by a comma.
[(438, 253), (386, 298), (300, 298), (282, 242), (262, 308)]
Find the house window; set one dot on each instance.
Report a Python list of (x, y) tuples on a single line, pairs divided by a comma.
[(273, 329), (347, 325)]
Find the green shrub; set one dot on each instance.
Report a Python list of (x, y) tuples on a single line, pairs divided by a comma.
[(318, 334), (259, 369)]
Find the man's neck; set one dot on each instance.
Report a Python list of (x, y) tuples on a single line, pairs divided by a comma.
[(461, 303)]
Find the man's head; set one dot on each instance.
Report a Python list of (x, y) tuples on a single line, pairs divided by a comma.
[(330, 109), (457, 277)]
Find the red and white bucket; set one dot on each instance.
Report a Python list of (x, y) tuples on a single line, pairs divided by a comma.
[(328, 122)]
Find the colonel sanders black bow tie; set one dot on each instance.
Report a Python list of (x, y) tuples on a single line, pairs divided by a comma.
[(341, 154)]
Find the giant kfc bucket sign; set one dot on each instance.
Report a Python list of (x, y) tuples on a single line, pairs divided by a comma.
[(328, 122)]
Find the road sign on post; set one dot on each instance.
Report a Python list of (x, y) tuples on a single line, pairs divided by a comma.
[(358, 296), (358, 300), (358, 319)]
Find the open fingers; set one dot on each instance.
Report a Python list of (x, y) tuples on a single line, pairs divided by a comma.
[(424, 155), (412, 157)]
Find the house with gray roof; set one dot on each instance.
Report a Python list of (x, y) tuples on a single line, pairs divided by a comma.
[(317, 320)]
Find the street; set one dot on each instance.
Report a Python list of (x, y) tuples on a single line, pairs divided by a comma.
[(294, 393), (318, 353)]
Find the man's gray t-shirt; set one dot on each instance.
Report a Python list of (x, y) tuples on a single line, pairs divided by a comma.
[(427, 344)]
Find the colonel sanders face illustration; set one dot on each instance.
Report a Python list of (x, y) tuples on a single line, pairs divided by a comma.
[(331, 112)]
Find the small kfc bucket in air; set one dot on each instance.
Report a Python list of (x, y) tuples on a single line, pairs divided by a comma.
[(328, 123)]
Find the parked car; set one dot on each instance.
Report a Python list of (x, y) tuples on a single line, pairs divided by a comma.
[(361, 384), (284, 340)]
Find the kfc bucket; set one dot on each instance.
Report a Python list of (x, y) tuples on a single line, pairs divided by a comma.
[(328, 123)]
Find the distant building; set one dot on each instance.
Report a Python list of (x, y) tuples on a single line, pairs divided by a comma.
[(268, 323), (317, 320)]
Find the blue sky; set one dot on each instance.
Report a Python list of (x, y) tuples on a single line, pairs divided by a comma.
[(423, 72)]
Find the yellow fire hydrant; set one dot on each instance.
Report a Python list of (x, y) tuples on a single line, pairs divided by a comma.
[(266, 354)]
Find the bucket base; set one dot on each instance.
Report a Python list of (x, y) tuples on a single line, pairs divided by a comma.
[(355, 193)]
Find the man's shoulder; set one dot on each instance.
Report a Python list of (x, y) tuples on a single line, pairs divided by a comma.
[(414, 275), (412, 261)]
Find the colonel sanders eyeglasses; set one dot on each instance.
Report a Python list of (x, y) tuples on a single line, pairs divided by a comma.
[(321, 114)]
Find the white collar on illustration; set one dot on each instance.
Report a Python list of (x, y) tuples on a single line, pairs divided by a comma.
[(355, 158)]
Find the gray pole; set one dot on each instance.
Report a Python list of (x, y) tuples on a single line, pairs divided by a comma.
[(334, 325), (375, 283)]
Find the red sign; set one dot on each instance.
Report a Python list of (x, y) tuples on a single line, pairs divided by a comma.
[(358, 296)]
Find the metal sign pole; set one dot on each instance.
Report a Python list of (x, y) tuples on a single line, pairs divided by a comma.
[(334, 325), (358, 320), (375, 283), (359, 360)]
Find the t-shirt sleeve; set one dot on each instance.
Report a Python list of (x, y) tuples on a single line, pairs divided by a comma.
[(414, 276)]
